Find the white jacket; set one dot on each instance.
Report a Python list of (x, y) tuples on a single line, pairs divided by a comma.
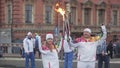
[(87, 50), (66, 46), (50, 59), (28, 45)]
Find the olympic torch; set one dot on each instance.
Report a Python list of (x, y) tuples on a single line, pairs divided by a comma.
[(65, 16)]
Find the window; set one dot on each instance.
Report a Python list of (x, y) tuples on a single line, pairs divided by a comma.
[(28, 13), (73, 15), (101, 16), (48, 14), (87, 16), (9, 13), (115, 18)]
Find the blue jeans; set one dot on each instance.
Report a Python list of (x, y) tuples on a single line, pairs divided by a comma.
[(32, 58), (68, 60), (102, 58)]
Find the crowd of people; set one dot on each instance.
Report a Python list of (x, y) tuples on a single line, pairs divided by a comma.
[(88, 49)]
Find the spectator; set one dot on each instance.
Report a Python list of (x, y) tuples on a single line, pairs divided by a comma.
[(117, 48), (102, 55), (28, 45), (68, 52), (37, 44), (110, 49)]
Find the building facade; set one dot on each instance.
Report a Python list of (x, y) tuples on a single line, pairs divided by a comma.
[(17, 17)]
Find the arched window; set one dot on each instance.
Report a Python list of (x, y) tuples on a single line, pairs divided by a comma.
[(73, 15), (101, 13), (48, 14), (114, 17), (101, 16), (87, 12), (29, 12), (87, 16)]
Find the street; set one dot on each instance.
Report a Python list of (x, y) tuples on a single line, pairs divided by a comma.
[(19, 63)]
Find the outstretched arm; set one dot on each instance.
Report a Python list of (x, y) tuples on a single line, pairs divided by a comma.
[(74, 44), (104, 36), (42, 51)]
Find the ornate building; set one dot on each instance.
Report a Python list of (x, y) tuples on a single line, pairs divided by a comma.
[(17, 17)]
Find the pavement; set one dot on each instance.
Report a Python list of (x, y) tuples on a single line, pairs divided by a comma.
[(19, 63), (114, 60)]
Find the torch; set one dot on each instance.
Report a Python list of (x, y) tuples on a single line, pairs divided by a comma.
[(62, 12), (67, 19), (65, 16)]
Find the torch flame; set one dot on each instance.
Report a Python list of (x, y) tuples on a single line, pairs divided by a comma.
[(60, 10), (57, 5)]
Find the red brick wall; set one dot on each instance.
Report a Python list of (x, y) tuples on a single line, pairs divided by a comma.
[(2, 11), (38, 10), (18, 16)]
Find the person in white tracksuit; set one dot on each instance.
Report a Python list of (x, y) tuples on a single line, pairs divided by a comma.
[(87, 46), (68, 52), (49, 53)]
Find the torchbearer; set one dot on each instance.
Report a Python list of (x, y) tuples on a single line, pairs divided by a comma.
[(87, 46), (49, 53), (68, 50)]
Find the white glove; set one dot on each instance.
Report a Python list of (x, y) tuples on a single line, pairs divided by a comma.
[(103, 28)]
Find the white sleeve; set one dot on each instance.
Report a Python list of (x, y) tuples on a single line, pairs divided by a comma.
[(42, 51), (40, 46), (33, 43), (40, 43), (104, 34), (25, 45), (74, 44)]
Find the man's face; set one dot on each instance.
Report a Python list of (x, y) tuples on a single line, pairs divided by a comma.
[(86, 34), (30, 36)]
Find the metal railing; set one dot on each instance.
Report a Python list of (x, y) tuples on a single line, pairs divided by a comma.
[(11, 49)]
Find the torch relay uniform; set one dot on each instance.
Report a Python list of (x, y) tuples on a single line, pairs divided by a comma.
[(49, 59), (68, 53), (87, 50)]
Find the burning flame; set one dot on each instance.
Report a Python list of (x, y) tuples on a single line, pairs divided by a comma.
[(57, 5), (60, 10)]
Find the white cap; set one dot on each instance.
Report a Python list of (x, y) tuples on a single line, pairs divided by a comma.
[(29, 33), (49, 36), (87, 30)]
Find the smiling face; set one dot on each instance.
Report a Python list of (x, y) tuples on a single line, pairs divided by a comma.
[(50, 41), (86, 34)]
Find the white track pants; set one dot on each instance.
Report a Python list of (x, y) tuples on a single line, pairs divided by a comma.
[(86, 64)]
